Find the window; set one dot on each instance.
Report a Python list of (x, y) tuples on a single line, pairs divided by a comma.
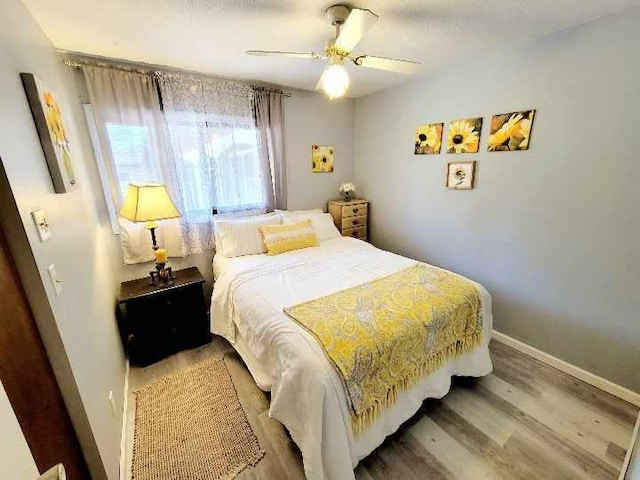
[(215, 162), (233, 156), (129, 146), (218, 159)]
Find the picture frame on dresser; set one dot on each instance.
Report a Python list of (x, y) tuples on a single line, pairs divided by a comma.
[(351, 217)]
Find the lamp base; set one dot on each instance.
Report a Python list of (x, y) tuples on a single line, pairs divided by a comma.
[(162, 277)]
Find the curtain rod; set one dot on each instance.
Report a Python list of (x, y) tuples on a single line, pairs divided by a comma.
[(79, 64)]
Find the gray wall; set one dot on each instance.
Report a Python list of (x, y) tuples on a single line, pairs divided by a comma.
[(78, 326), (311, 118), (553, 232)]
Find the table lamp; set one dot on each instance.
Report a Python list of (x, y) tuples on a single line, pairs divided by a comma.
[(150, 202)]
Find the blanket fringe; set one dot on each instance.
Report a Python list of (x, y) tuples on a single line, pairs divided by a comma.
[(359, 423)]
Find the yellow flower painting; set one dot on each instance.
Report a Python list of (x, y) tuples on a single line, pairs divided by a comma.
[(58, 132), (322, 159), (463, 136), (428, 139), (510, 131), (50, 125)]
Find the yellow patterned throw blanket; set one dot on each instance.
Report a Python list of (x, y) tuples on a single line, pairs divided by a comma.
[(384, 336)]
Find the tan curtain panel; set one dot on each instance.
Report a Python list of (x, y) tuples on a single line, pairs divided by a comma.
[(269, 117)]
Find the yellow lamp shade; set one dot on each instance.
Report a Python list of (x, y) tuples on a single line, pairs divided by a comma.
[(148, 202)]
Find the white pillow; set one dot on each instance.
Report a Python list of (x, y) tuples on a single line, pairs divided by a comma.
[(234, 218), (322, 223), (313, 210), (242, 236)]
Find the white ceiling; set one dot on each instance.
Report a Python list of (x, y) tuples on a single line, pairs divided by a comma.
[(210, 36)]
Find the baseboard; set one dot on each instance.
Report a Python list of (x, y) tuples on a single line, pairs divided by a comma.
[(577, 372), (123, 438)]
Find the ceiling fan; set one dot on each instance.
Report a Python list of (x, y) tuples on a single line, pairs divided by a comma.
[(351, 24)]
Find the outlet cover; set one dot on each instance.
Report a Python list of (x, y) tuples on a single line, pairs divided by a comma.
[(41, 222)]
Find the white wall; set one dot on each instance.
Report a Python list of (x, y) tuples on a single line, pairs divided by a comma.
[(553, 232), (15, 457), (78, 326)]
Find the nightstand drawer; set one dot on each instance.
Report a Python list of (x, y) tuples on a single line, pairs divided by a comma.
[(359, 209), (357, 232), (354, 222)]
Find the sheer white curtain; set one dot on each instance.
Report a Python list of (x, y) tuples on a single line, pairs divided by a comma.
[(214, 139), (131, 131), (216, 144)]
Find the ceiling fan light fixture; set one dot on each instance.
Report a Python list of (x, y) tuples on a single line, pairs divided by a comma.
[(335, 80), (351, 25)]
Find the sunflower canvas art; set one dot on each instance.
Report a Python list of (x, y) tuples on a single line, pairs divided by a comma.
[(428, 139), (463, 136), (510, 131), (52, 132), (460, 175), (322, 159)]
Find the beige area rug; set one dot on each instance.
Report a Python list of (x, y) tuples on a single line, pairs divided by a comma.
[(191, 426)]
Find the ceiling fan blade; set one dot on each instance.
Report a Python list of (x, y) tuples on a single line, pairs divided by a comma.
[(357, 24), (406, 67), (277, 53)]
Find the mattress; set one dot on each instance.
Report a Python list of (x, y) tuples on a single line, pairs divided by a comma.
[(307, 395)]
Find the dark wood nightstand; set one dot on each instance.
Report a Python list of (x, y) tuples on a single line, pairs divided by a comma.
[(159, 321)]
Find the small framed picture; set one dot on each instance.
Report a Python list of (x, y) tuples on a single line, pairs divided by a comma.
[(321, 159), (460, 175)]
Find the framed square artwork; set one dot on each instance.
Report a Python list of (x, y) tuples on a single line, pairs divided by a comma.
[(321, 159), (428, 139), (510, 131), (463, 136), (460, 175)]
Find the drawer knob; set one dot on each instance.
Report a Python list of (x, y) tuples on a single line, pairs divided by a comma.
[(354, 234), (355, 210), (354, 222)]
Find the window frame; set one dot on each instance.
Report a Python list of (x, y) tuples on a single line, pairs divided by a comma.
[(102, 169)]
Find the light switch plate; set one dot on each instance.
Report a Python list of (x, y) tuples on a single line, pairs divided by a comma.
[(41, 222), (55, 281)]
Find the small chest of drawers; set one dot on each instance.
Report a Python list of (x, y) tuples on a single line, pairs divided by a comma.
[(351, 218), (159, 321)]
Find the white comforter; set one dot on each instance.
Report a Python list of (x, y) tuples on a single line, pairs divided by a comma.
[(307, 395)]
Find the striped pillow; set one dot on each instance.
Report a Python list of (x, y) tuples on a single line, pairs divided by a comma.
[(284, 238)]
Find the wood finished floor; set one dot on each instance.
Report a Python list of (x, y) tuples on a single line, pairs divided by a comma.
[(524, 421)]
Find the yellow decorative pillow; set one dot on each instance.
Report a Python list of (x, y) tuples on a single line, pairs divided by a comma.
[(284, 238)]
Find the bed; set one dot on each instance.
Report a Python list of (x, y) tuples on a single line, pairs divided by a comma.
[(307, 395)]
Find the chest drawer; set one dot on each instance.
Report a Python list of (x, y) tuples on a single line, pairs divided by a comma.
[(353, 222), (359, 209), (357, 232)]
